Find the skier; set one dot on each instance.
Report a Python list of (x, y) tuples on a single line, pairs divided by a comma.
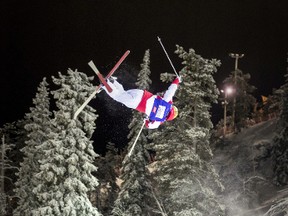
[(158, 109)]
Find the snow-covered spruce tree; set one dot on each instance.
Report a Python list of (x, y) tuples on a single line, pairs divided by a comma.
[(105, 195), (15, 136), (187, 181), (135, 192), (65, 170), (144, 81), (245, 101), (5, 165), (37, 130), (280, 151)]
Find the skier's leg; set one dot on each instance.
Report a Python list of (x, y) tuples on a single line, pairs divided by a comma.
[(130, 98), (118, 85)]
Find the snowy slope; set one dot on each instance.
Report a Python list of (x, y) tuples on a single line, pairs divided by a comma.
[(244, 164)]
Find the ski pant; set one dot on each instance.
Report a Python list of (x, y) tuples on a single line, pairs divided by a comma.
[(130, 98)]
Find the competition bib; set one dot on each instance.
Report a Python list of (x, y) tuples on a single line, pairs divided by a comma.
[(160, 110)]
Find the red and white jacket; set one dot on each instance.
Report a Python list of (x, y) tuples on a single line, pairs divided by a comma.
[(147, 101)]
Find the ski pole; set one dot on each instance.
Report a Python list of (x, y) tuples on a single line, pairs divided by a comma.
[(130, 152), (167, 56)]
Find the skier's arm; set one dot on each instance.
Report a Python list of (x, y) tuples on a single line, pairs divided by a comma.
[(171, 90), (152, 124)]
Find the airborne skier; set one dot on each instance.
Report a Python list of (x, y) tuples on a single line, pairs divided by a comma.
[(158, 109)]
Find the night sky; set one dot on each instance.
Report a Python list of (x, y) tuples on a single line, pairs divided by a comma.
[(40, 38)]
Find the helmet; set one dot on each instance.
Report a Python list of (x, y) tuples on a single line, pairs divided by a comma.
[(173, 113)]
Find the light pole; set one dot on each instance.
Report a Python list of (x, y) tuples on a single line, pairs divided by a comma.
[(236, 56), (226, 92)]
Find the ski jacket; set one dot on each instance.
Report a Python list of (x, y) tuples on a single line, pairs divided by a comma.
[(157, 108)]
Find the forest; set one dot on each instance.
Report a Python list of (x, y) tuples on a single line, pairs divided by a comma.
[(49, 165)]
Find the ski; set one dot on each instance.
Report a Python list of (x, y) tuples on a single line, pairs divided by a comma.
[(101, 78), (97, 90)]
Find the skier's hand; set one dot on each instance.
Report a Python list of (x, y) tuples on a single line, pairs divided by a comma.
[(177, 80), (146, 120), (146, 123)]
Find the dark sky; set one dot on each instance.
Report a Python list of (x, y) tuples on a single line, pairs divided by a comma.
[(40, 38)]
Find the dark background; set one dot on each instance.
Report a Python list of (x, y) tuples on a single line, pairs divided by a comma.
[(40, 38)]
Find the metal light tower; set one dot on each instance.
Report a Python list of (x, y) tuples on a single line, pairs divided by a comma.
[(236, 56), (226, 92)]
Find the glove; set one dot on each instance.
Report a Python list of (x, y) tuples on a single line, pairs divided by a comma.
[(177, 80), (146, 123), (146, 120)]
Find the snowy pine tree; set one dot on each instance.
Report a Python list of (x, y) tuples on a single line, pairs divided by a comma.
[(65, 170), (144, 81), (37, 131), (135, 192), (16, 136), (280, 151), (187, 181), (107, 173), (5, 165)]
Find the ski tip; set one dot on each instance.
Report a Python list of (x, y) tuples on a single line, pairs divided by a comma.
[(126, 53), (92, 65), (158, 38)]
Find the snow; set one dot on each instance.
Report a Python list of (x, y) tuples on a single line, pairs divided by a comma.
[(244, 164)]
